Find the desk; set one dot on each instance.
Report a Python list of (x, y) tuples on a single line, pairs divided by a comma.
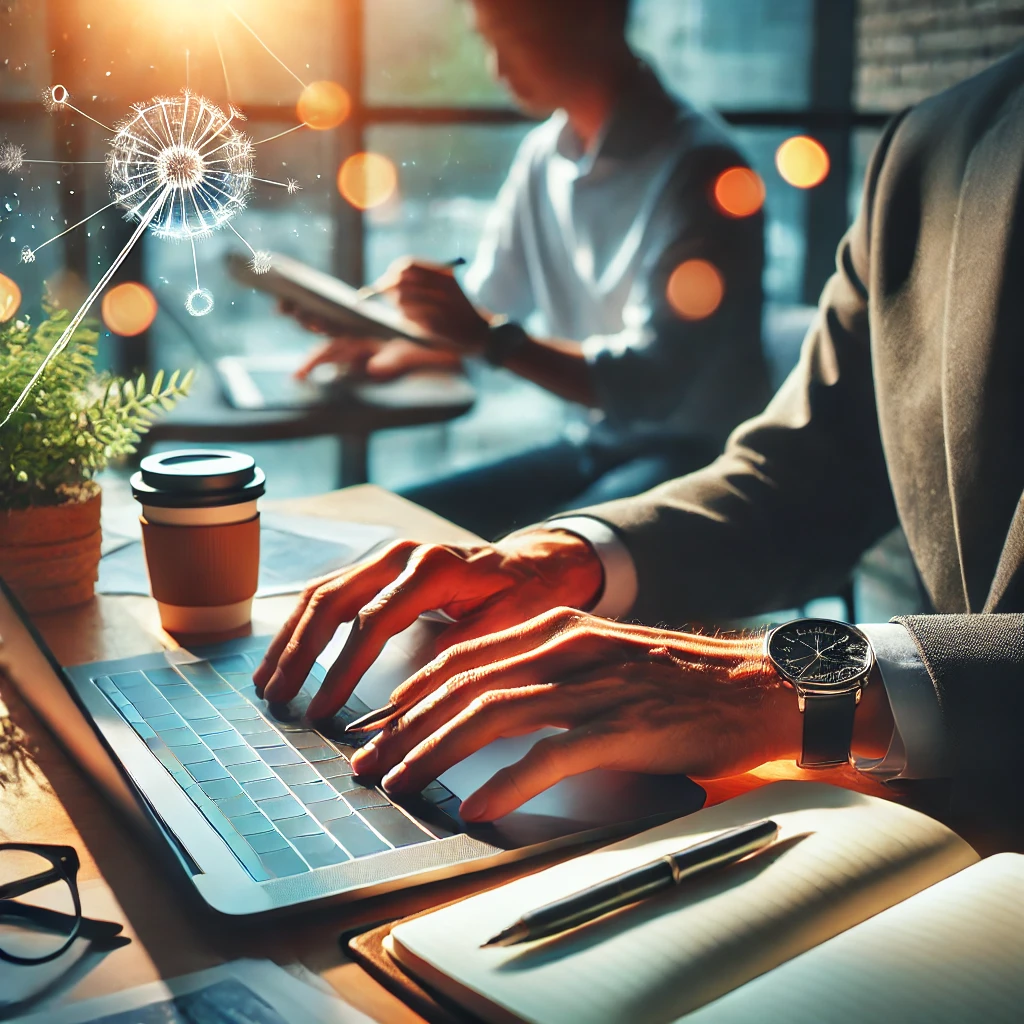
[(57, 804)]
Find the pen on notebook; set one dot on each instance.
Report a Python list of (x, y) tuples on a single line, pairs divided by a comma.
[(371, 291), (638, 884)]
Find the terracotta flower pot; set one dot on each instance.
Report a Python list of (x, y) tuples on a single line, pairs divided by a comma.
[(50, 554)]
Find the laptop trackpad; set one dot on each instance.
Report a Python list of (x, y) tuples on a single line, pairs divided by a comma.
[(595, 799)]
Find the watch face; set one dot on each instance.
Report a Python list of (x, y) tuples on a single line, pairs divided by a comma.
[(820, 652)]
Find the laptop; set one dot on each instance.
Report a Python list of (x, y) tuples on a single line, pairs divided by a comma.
[(258, 811)]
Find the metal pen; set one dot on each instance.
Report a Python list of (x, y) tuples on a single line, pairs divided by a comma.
[(638, 884), (371, 291)]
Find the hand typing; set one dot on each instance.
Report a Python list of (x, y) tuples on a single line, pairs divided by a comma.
[(485, 588), (628, 698)]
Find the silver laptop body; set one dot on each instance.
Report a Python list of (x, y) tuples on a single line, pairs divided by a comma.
[(258, 809)]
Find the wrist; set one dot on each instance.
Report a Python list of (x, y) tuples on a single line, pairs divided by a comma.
[(564, 561)]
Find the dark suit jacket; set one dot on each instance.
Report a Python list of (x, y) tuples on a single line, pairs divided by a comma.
[(907, 405)]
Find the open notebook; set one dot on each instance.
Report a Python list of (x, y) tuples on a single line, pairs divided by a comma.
[(842, 859)]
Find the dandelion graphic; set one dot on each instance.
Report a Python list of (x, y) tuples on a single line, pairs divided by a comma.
[(179, 167)]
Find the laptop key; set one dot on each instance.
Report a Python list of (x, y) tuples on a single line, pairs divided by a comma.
[(252, 824), (207, 771), (283, 863), (278, 757), (360, 798), (297, 774), (221, 789), (238, 754), (249, 772), (191, 753), (354, 834), (395, 827), (335, 767), (320, 851), (267, 842), (236, 805), (311, 792), (264, 789), (281, 807), (303, 826), (345, 784), (328, 810)]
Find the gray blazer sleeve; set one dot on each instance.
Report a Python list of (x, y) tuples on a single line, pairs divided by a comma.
[(801, 490), (976, 664)]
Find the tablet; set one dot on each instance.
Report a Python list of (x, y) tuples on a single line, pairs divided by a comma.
[(338, 304)]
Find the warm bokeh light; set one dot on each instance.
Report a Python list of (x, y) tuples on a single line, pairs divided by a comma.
[(367, 180), (323, 105), (739, 192), (10, 298), (695, 289), (802, 161), (129, 308)]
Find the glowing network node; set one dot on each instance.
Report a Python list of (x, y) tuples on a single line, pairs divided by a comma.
[(261, 262), (12, 157), (293, 186), (185, 149), (199, 301), (27, 255)]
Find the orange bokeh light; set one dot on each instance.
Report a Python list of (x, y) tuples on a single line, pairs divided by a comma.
[(10, 298), (128, 309), (367, 180), (802, 161), (323, 105), (739, 192), (695, 289)]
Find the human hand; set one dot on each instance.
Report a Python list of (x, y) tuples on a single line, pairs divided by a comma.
[(485, 588), (430, 296), (629, 697), (379, 360)]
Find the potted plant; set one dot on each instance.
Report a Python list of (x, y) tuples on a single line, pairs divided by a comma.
[(72, 424)]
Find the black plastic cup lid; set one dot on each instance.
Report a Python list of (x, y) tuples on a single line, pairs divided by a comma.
[(197, 478)]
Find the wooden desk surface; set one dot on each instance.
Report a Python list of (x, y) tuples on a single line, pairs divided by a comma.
[(55, 803)]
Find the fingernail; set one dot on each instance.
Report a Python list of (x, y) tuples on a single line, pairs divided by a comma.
[(364, 759), (474, 807), (394, 777)]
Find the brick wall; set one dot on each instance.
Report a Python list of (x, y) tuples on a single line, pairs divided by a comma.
[(910, 49)]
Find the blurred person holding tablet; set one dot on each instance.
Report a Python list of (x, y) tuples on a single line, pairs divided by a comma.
[(605, 200)]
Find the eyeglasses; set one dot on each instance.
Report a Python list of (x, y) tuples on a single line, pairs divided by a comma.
[(37, 932)]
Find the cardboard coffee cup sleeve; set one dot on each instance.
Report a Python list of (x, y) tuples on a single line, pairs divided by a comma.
[(203, 566)]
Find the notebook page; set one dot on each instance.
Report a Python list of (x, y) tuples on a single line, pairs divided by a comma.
[(952, 953), (842, 857)]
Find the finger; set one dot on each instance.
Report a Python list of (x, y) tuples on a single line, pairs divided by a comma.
[(267, 666), (433, 577), (531, 637), (452, 696), (326, 354), (323, 609), (488, 718), (546, 763)]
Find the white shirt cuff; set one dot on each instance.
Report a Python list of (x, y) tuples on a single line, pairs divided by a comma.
[(620, 583), (918, 748)]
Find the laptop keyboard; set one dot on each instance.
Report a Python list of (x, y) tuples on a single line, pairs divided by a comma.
[(281, 795)]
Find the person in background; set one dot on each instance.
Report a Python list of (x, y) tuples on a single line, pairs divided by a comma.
[(604, 201)]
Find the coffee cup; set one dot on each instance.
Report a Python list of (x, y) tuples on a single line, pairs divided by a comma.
[(201, 535)]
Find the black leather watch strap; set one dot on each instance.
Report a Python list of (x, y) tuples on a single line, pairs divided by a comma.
[(504, 339), (828, 730)]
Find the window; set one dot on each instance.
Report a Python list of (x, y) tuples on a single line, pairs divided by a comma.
[(421, 96)]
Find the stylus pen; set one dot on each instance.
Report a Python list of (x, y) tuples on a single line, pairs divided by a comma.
[(372, 291), (638, 884)]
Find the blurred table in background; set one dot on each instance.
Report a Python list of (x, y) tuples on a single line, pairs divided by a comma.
[(352, 412)]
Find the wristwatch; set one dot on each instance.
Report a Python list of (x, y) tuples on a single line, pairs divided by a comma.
[(503, 340), (828, 664)]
